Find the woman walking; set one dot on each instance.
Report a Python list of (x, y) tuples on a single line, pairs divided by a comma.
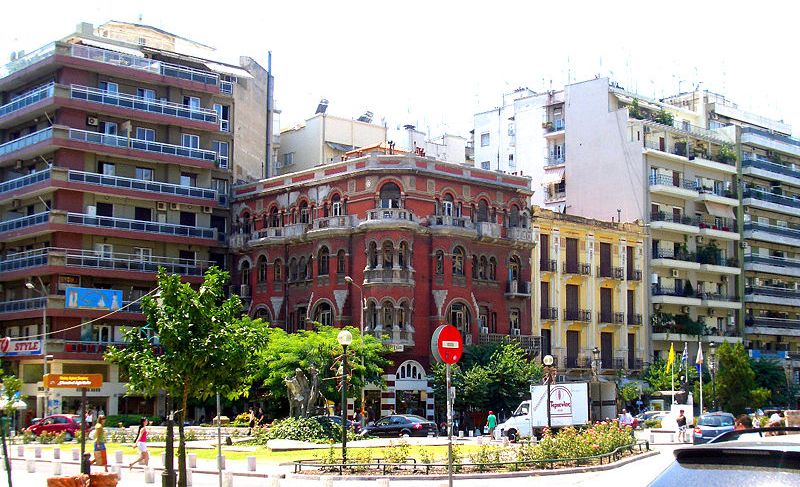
[(100, 443), (141, 444)]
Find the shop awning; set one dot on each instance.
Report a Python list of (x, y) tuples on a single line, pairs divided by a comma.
[(722, 211), (112, 47), (229, 70), (553, 177)]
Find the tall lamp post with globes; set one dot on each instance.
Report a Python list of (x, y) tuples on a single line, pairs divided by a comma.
[(349, 280), (596, 379), (43, 292), (549, 378), (345, 338), (712, 368)]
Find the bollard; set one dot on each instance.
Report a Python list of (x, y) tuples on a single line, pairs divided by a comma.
[(37, 452), (56, 468), (118, 456), (469, 433), (149, 475), (221, 462), (326, 482), (480, 440), (164, 460), (56, 453), (21, 451), (382, 482), (251, 464), (460, 433), (188, 476), (274, 481), (227, 479), (117, 469), (31, 466), (76, 454), (193, 460)]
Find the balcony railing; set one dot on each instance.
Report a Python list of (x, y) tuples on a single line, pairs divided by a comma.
[(90, 347), (577, 314), (519, 233), (518, 288), (149, 105), (665, 180), (143, 145), (527, 342), (717, 297), (634, 319), (555, 196), (578, 362), (673, 255), (24, 260), (22, 181), (26, 141), (778, 199), (570, 267), (25, 221), (27, 99), (770, 166), (286, 231), (548, 265), (22, 304), (549, 313), (778, 292), (773, 229), (30, 58), (488, 229), (773, 322), (390, 214), (671, 291), (635, 363), (554, 161), (671, 218), (612, 272), (721, 224), (634, 275), (132, 262), (141, 226), (450, 221), (141, 185), (393, 335), (771, 260), (344, 221), (611, 317), (388, 276)]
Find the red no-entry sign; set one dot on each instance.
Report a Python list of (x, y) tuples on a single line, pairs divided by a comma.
[(447, 344)]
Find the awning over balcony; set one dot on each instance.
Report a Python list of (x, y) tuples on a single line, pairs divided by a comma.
[(229, 70), (340, 147), (719, 210), (112, 47), (552, 177)]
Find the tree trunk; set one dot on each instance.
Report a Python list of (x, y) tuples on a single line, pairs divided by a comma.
[(182, 482)]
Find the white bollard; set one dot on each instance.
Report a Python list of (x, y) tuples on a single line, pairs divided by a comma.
[(149, 475), (21, 451), (326, 482), (221, 462), (251, 464), (480, 440), (274, 481), (56, 453), (164, 460), (76, 454), (56, 468), (31, 466), (37, 452), (117, 469), (469, 433), (227, 479), (382, 482), (118, 456), (188, 476), (193, 460), (460, 433)]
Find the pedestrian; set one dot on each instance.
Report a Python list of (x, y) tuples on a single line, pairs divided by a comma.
[(743, 422), (626, 420), (89, 417), (491, 423), (681, 427), (100, 458), (260, 416), (141, 444), (251, 421)]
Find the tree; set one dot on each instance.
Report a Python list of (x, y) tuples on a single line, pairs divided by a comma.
[(286, 352), (771, 376), (204, 345), (735, 379), (512, 373), (663, 117)]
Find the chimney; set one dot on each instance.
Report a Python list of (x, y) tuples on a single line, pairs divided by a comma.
[(85, 28)]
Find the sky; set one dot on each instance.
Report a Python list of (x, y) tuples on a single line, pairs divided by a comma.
[(434, 64)]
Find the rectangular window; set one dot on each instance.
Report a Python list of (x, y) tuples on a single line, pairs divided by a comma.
[(109, 86), (288, 159), (191, 101), (105, 209), (106, 168), (146, 93), (188, 179), (188, 219), (221, 148), (145, 134), (142, 214), (187, 256), (143, 254), (485, 139), (144, 174), (104, 251), (223, 114), (191, 141), (513, 319), (109, 128), (220, 185)]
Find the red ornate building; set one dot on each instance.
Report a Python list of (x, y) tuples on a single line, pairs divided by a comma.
[(424, 241)]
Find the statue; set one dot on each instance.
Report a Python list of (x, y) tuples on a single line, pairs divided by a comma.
[(304, 394)]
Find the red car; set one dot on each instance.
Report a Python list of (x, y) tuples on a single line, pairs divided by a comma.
[(55, 424)]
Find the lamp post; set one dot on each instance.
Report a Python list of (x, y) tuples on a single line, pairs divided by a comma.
[(345, 338), (549, 377), (43, 292), (349, 280), (712, 368), (595, 378)]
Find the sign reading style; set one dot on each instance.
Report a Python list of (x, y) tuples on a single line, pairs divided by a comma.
[(13, 347)]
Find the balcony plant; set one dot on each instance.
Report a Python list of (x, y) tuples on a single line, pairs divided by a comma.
[(726, 154), (663, 117), (634, 110), (709, 253)]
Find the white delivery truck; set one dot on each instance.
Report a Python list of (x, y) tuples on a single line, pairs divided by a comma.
[(569, 406)]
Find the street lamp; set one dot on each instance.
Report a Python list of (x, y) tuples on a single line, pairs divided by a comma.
[(595, 378), (712, 368), (345, 338), (350, 280), (43, 292), (549, 377)]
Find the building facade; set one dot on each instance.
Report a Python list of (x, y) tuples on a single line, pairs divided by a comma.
[(423, 241), (590, 293), (115, 159)]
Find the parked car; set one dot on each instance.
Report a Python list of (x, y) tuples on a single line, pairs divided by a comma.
[(710, 425), (401, 425), (338, 421), (750, 460), (57, 423)]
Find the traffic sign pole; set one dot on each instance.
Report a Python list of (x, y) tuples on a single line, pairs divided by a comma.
[(447, 345), (449, 431)]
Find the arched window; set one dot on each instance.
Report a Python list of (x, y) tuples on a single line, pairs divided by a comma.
[(458, 261), (390, 196), (402, 255), (387, 250), (263, 313), (304, 213), (309, 267), (322, 262), (341, 262), (301, 268), (373, 255), (262, 269), (337, 207), (404, 315), (372, 316), (447, 205), (244, 270), (460, 317), (323, 314), (246, 223), (483, 211), (514, 218), (439, 258), (492, 269), (292, 269), (277, 270), (387, 315), (514, 268), (483, 271), (475, 267), (274, 218), (411, 370)]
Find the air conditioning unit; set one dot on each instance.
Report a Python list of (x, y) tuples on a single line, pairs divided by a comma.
[(15, 204), (714, 116), (92, 121), (206, 209), (174, 206), (674, 272), (91, 210), (161, 206), (515, 332), (484, 330)]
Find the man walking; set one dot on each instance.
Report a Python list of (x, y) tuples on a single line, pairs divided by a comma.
[(681, 427), (491, 423)]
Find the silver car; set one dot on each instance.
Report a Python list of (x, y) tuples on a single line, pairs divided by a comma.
[(711, 425)]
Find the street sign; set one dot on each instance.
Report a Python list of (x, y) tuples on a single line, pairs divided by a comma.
[(73, 381), (447, 344), (14, 347), (4, 343)]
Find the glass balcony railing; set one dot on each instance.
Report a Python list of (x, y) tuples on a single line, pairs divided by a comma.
[(140, 185), (771, 260), (143, 145), (665, 180), (672, 218), (25, 221), (132, 262), (32, 57), (27, 180), (24, 260), (777, 199), (773, 229), (767, 165), (27, 99), (778, 292), (22, 304), (26, 141), (149, 105), (141, 226)]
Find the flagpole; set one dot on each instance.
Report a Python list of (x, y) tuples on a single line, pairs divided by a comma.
[(672, 380), (701, 388)]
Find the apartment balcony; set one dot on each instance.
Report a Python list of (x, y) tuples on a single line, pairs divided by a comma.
[(17, 305), (548, 265), (552, 161), (584, 315), (634, 275), (147, 106), (488, 231), (520, 234), (395, 337), (343, 222), (29, 145), (518, 289), (578, 362), (391, 216), (23, 184), (616, 318), (683, 154), (766, 169), (117, 185), (548, 313), (141, 148), (719, 196), (269, 235), (765, 200), (772, 265), (674, 223), (670, 295), (634, 319), (150, 228), (529, 343), (579, 268), (772, 326), (718, 228), (772, 295), (554, 127), (716, 300), (672, 186), (25, 102), (765, 232), (555, 196), (395, 276), (23, 225), (612, 363), (771, 141), (611, 272), (89, 347)]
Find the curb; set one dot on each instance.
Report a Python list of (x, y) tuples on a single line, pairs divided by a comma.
[(466, 476)]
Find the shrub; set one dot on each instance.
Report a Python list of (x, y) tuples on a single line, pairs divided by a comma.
[(360, 456), (652, 423), (301, 429), (486, 454), (242, 420), (425, 456), (396, 452), (28, 437), (129, 419), (45, 437)]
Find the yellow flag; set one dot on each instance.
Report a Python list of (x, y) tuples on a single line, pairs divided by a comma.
[(671, 356)]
